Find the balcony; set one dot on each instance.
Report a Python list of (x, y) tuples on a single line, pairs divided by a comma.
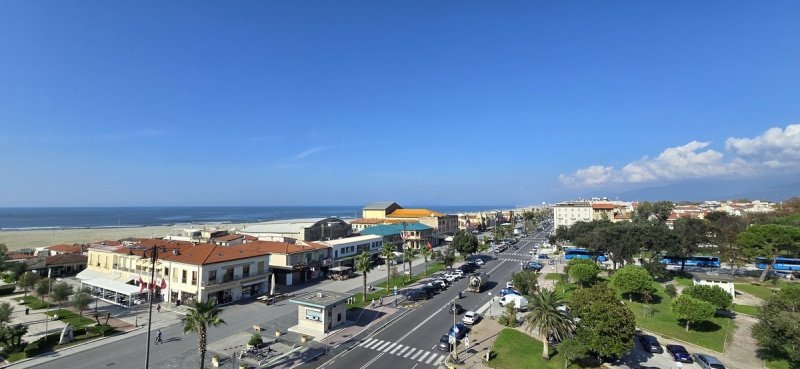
[(235, 278)]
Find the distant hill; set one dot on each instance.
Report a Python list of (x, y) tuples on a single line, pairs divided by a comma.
[(699, 190)]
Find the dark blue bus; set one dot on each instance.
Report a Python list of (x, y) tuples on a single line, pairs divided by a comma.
[(699, 260), (781, 263)]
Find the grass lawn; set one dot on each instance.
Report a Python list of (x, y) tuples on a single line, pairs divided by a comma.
[(514, 350), (16, 356), (745, 309), (760, 291), (51, 342), (33, 302), (777, 364), (554, 276), (709, 334), (74, 319), (683, 281)]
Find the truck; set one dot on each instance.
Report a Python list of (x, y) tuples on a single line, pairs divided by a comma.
[(477, 281)]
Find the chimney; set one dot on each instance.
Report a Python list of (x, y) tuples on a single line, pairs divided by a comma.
[(175, 252)]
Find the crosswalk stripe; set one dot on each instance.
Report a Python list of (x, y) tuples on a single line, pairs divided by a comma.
[(403, 350), (365, 342), (390, 347), (375, 344), (417, 354), (423, 356), (380, 347), (396, 348), (410, 352), (439, 360), (430, 359)]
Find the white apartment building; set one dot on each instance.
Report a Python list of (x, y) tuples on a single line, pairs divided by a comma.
[(345, 250), (570, 212)]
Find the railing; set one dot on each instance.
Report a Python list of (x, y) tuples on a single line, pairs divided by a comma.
[(235, 278)]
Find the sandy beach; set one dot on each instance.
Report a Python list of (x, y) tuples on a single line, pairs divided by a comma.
[(16, 240)]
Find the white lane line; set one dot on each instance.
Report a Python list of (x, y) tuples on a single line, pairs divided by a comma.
[(382, 346), (365, 342), (403, 350), (430, 359), (389, 347), (423, 356), (371, 361), (417, 354), (409, 352), (396, 348)]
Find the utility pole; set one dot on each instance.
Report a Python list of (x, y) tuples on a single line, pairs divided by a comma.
[(154, 256)]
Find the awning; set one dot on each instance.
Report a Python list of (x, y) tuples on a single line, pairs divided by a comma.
[(118, 287), (92, 274), (253, 282), (339, 269)]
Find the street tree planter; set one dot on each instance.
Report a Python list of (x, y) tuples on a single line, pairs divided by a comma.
[(215, 361), (277, 333), (304, 338)]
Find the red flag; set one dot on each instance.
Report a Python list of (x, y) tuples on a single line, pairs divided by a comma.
[(163, 283), (430, 246), (141, 285), (151, 286)]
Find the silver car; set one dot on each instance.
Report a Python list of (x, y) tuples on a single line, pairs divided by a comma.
[(708, 361)]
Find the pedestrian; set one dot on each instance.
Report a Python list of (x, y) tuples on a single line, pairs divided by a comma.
[(158, 337), (158, 308), (381, 301)]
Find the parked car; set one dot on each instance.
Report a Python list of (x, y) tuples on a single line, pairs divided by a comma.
[(471, 317), (533, 265), (458, 273), (457, 308), (543, 256), (430, 290), (417, 294), (520, 303), (509, 284), (459, 330), (509, 291), (450, 278), (440, 282), (479, 262), (708, 361), (444, 343), (650, 344), (679, 353)]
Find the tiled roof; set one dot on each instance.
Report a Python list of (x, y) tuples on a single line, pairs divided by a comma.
[(603, 206), (394, 229), (284, 247), (65, 259), (188, 253), (367, 221), (18, 256), (70, 249), (414, 213), (228, 237)]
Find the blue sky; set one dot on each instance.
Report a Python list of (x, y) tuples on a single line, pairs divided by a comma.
[(451, 103)]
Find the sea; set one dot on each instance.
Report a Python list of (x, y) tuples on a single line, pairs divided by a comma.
[(41, 218)]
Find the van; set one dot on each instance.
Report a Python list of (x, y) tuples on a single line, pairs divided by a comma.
[(520, 303)]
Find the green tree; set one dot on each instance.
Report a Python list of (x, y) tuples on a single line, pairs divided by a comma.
[(60, 292), (11, 336), (408, 256), (509, 317), (583, 271), (525, 281), (573, 350), (201, 316), (5, 313), (449, 257), (725, 228), (3, 256), (465, 243), (387, 252), (15, 270), (769, 241), (606, 326), (671, 290), (691, 233), (692, 310), (547, 316), (426, 255), (363, 265), (632, 279), (714, 295), (27, 281), (43, 287), (778, 328), (656, 213), (81, 300)]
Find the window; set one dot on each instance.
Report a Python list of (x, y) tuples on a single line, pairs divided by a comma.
[(246, 271), (166, 272), (183, 276), (194, 278), (212, 276), (175, 275)]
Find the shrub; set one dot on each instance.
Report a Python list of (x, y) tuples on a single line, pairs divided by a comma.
[(671, 290), (7, 289), (255, 340), (33, 348)]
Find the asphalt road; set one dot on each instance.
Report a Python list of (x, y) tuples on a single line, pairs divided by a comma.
[(411, 340)]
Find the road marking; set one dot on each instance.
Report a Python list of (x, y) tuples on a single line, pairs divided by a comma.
[(368, 340), (374, 344), (371, 361), (430, 359), (409, 353), (403, 350), (439, 360), (390, 347), (382, 346), (417, 354), (423, 356), (396, 348)]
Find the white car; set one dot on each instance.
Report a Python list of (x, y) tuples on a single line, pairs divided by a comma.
[(449, 277), (479, 262), (509, 284), (459, 273), (471, 317)]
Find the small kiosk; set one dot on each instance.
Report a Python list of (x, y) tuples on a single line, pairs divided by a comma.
[(319, 312)]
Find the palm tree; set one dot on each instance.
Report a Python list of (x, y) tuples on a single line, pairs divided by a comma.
[(547, 318), (408, 257), (426, 254), (200, 317), (388, 253), (363, 265)]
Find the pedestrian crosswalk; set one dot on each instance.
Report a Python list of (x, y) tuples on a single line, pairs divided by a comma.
[(408, 352)]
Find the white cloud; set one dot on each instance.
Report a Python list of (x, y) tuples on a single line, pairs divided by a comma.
[(310, 152), (776, 149)]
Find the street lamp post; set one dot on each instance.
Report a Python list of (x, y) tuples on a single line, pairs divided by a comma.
[(154, 256)]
